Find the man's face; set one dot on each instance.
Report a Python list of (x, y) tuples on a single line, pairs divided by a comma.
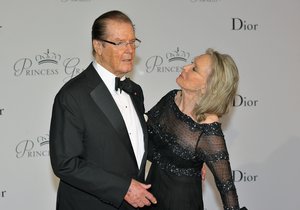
[(119, 60)]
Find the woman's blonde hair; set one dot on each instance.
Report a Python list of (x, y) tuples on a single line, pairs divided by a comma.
[(222, 85)]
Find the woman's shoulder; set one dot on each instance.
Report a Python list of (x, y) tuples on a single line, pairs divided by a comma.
[(212, 126)]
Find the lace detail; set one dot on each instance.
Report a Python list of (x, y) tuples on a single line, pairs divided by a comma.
[(222, 155), (180, 146), (172, 168), (226, 186)]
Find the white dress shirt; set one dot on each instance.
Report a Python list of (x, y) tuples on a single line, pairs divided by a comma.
[(127, 110)]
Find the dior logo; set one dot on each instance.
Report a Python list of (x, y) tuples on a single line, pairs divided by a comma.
[(241, 101), (241, 176), (239, 24)]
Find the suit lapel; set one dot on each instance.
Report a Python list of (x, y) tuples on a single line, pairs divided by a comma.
[(103, 99), (105, 102)]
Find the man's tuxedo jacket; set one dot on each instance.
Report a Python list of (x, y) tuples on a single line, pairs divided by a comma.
[(90, 148)]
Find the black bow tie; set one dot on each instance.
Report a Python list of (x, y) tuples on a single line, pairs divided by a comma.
[(123, 85)]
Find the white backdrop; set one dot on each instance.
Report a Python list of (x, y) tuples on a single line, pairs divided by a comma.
[(44, 43)]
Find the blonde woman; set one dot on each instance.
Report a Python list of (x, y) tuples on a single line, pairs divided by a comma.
[(185, 132)]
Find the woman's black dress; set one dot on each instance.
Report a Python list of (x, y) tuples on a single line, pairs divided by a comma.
[(178, 148)]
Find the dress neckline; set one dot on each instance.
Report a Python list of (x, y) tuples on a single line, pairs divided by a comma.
[(184, 116)]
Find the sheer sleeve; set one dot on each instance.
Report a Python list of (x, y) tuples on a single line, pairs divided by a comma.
[(216, 158)]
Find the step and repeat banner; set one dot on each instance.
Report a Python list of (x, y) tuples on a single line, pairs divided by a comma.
[(44, 43)]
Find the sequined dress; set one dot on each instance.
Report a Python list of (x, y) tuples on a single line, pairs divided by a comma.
[(178, 148)]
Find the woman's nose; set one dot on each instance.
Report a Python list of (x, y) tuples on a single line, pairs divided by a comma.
[(186, 67)]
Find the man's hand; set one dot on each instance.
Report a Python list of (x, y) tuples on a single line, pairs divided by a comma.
[(138, 195)]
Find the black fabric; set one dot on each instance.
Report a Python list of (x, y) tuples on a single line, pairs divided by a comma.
[(90, 148), (125, 85), (178, 148)]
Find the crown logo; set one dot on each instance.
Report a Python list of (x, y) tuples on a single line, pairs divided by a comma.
[(178, 54), (48, 57), (43, 140)]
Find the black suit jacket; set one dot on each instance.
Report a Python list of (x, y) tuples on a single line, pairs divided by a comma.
[(90, 148)]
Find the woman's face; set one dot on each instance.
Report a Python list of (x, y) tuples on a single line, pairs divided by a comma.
[(193, 77)]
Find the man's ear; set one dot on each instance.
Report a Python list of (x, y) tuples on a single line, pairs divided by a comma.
[(97, 45)]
